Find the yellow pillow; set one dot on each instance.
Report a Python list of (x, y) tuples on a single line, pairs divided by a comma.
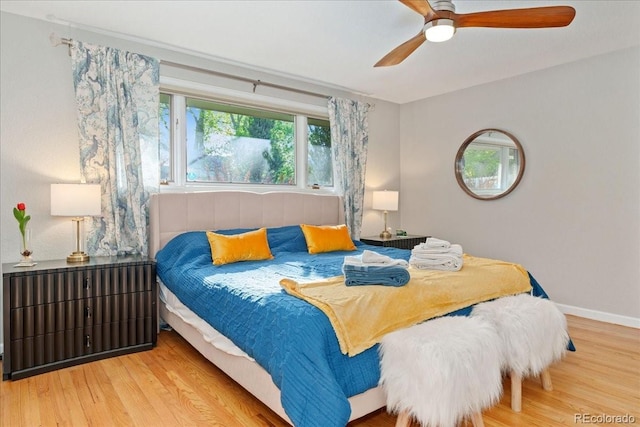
[(249, 246), (327, 238)]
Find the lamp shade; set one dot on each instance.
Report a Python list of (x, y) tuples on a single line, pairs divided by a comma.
[(76, 200), (385, 200)]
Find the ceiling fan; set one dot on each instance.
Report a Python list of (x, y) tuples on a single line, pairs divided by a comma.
[(441, 22)]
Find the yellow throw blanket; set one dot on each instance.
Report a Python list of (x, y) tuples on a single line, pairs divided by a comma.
[(362, 315)]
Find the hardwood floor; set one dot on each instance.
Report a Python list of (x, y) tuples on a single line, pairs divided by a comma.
[(172, 385)]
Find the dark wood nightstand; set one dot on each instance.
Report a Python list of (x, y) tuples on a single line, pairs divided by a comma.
[(57, 314), (401, 242)]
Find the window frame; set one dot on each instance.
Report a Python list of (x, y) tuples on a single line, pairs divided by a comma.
[(180, 90)]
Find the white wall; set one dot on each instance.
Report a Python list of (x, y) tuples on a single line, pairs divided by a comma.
[(38, 133), (574, 220), (383, 162)]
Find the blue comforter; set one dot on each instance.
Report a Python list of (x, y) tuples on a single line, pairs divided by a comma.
[(291, 339)]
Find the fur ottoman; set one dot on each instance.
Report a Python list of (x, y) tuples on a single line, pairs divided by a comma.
[(442, 371), (534, 335)]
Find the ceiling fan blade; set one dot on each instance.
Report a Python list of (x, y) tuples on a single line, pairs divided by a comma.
[(401, 53), (421, 6), (537, 17)]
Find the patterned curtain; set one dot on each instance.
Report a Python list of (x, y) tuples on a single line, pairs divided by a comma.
[(349, 138), (117, 96)]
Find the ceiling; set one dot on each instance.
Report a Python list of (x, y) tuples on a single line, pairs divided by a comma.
[(336, 43)]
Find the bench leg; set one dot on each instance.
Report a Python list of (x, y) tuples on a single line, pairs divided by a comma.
[(545, 377), (404, 419), (477, 420), (516, 392)]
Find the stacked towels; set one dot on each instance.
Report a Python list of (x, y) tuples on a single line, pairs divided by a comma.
[(436, 254), (372, 268)]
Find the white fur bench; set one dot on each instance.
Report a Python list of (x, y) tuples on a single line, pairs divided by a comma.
[(534, 335), (442, 371)]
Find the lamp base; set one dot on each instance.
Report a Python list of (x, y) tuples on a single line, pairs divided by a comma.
[(78, 257), (385, 235)]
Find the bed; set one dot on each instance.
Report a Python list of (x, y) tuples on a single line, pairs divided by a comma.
[(293, 362)]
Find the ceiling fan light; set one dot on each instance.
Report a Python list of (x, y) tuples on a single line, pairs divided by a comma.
[(439, 30)]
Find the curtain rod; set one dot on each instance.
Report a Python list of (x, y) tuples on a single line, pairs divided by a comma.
[(255, 83), (57, 41)]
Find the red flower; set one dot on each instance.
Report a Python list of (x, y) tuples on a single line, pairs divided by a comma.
[(21, 216)]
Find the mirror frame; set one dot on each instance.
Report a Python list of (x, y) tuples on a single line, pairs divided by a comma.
[(458, 166)]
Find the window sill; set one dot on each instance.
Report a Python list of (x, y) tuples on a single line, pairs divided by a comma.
[(174, 188)]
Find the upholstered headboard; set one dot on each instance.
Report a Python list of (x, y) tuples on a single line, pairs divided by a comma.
[(173, 213)]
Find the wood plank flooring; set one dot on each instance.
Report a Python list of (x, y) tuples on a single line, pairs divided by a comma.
[(172, 385)]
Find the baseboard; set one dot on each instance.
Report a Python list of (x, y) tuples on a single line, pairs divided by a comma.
[(602, 316)]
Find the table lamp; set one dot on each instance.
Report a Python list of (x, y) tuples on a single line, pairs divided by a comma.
[(77, 201), (385, 201)]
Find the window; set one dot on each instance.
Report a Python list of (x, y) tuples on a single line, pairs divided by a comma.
[(319, 166), (203, 141)]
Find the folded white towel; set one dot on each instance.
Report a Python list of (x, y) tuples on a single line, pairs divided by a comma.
[(375, 259), (433, 242), (421, 250), (446, 262), (436, 254)]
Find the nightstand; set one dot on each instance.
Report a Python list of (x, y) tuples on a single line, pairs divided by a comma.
[(401, 242), (57, 314)]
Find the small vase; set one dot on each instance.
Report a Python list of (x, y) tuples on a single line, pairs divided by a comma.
[(25, 249)]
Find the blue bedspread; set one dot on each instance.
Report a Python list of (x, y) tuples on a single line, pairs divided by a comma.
[(291, 339)]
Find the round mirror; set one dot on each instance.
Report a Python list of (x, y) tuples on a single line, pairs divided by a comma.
[(489, 164)]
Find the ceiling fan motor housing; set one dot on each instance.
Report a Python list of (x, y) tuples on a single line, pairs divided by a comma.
[(440, 29), (443, 5)]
